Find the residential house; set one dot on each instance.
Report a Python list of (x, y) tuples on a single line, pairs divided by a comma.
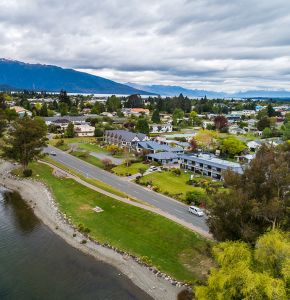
[(21, 111), (160, 128), (84, 130), (154, 147), (164, 158), (254, 145), (124, 138), (135, 111), (234, 129), (208, 165)]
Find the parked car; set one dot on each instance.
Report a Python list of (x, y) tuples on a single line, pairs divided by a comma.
[(196, 211), (154, 168)]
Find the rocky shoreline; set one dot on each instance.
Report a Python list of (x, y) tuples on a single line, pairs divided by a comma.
[(155, 283)]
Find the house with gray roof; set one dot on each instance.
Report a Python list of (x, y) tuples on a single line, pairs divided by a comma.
[(154, 147), (208, 165), (164, 158), (124, 138)]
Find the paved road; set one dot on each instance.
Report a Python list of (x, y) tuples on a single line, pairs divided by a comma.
[(164, 203)]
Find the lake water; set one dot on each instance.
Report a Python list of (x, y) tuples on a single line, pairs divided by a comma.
[(36, 264)]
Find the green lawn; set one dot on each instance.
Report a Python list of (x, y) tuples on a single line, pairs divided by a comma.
[(171, 184), (92, 181), (167, 245), (74, 140), (88, 158), (123, 170), (92, 147)]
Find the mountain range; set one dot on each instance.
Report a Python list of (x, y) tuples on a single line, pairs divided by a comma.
[(172, 90), (16, 75)]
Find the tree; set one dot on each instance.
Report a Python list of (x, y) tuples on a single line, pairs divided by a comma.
[(246, 274), (64, 98), (255, 200), (63, 108), (194, 119), (142, 126), (267, 133), (220, 122), (134, 101), (113, 103), (271, 111), (43, 110), (113, 149), (155, 116), (232, 146), (286, 132), (3, 122), (193, 145), (177, 115), (26, 139), (107, 163), (264, 123), (98, 132), (206, 138), (70, 131)]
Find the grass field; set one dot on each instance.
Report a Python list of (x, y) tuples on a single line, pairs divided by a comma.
[(123, 170), (92, 147), (159, 241), (170, 184), (92, 181), (88, 158)]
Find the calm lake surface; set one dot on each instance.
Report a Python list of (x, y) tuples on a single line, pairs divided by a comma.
[(36, 264)]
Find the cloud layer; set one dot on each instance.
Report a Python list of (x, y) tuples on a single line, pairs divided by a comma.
[(214, 44)]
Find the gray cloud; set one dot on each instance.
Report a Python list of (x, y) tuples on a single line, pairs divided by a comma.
[(217, 44)]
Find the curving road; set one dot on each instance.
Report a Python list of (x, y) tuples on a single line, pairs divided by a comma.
[(166, 204)]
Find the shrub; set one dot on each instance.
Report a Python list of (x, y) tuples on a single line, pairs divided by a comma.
[(177, 172), (59, 143), (83, 229), (195, 197), (27, 172)]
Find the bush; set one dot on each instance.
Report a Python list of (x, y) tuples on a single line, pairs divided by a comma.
[(59, 143), (177, 172), (83, 229), (195, 197), (27, 172)]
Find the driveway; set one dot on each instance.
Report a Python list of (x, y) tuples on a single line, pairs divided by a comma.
[(114, 160)]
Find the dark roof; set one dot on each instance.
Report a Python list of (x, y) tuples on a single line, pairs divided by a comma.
[(163, 155), (125, 135), (152, 145)]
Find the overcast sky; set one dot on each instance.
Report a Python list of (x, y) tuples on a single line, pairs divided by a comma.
[(222, 45)]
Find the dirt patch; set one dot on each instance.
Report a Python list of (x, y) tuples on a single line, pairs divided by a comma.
[(197, 263), (85, 207)]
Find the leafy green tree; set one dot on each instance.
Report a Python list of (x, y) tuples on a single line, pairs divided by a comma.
[(177, 114), (263, 123), (142, 126), (11, 114), (267, 133), (70, 131), (256, 200), (26, 139), (194, 119), (98, 132), (113, 103), (232, 146), (98, 108), (63, 108), (3, 122), (241, 274), (155, 116), (271, 111), (43, 110), (286, 132), (64, 98)]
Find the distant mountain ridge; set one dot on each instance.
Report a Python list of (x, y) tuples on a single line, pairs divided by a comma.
[(170, 90), (37, 77)]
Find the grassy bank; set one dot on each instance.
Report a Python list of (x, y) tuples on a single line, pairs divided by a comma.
[(123, 170), (167, 245), (170, 184)]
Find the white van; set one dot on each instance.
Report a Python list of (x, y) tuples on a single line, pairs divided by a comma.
[(196, 211)]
